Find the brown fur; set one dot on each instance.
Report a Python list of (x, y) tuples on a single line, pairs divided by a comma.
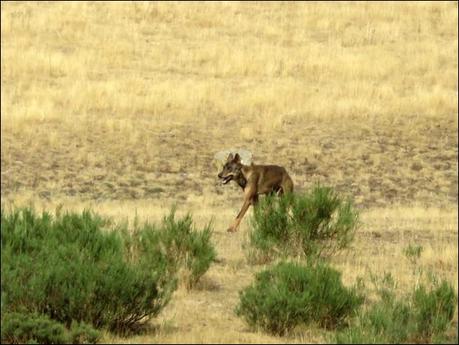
[(254, 180)]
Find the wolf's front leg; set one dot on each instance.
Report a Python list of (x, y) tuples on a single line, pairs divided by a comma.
[(237, 221)]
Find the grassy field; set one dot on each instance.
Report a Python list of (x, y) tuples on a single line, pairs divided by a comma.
[(122, 106)]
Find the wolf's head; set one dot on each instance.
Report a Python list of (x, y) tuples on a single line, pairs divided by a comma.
[(231, 169)]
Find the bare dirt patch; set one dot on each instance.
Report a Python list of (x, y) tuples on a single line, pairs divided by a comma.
[(376, 164)]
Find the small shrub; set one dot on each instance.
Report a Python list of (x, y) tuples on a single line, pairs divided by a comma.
[(434, 309), (385, 322), (82, 333), (290, 294), (413, 252), (186, 249), (423, 316), (22, 328), (313, 224), (18, 328)]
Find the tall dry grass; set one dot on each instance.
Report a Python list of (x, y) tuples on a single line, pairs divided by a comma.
[(176, 62)]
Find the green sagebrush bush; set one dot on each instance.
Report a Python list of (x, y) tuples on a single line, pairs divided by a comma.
[(20, 328), (72, 268), (422, 316), (290, 294), (187, 251), (311, 224), (433, 310)]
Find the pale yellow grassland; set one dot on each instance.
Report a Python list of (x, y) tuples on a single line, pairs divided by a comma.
[(120, 107), (177, 61)]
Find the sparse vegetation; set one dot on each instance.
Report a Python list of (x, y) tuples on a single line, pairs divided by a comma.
[(423, 316), (88, 112), (413, 252), (316, 223)]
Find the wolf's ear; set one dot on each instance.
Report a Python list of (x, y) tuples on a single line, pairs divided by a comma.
[(230, 157), (237, 158)]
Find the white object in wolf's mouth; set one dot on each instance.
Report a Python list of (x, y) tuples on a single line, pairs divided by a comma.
[(227, 179)]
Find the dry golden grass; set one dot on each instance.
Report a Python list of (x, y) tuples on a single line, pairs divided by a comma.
[(177, 62), (121, 107)]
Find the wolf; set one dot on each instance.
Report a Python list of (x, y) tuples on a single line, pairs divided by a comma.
[(254, 180)]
